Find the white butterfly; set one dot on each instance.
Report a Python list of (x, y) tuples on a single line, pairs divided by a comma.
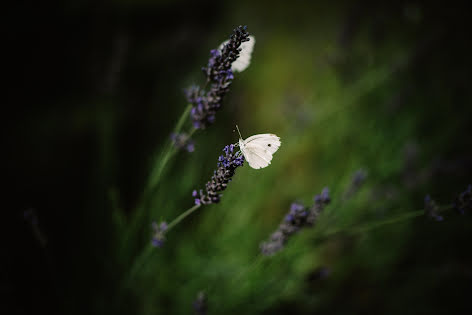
[(258, 149), (244, 59)]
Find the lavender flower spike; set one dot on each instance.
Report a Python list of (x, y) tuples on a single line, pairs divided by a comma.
[(182, 142), (227, 165), (200, 305), (221, 60), (321, 201), (431, 209), (298, 217), (463, 202), (357, 181), (220, 76), (158, 237)]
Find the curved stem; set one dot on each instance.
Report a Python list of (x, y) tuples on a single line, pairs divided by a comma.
[(158, 169), (149, 249), (182, 118), (373, 225), (139, 263), (155, 177), (181, 217)]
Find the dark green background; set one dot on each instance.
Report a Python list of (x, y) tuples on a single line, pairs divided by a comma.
[(94, 88)]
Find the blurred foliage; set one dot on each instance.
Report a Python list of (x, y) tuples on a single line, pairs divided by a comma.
[(96, 89)]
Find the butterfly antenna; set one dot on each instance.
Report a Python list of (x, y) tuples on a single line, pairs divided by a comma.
[(239, 132)]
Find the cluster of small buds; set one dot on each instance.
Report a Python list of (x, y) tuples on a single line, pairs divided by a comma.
[(158, 236), (357, 181), (219, 75), (227, 165), (463, 202), (298, 217), (182, 141), (431, 209), (320, 202), (200, 305), (222, 59)]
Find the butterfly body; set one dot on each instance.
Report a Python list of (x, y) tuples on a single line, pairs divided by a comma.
[(258, 149)]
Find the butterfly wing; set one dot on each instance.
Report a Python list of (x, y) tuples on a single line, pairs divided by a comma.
[(258, 149), (244, 59), (257, 156), (268, 141)]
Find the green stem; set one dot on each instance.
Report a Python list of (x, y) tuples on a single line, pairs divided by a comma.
[(157, 171), (139, 262), (255, 263), (181, 217), (374, 225), (149, 249), (154, 179), (183, 118)]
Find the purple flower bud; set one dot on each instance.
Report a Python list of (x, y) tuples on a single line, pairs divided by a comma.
[(357, 181), (325, 195), (463, 201), (157, 243), (200, 305), (220, 76), (158, 237), (227, 165), (427, 199), (191, 147), (294, 207), (431, 209), (296, 219), (182, 141)]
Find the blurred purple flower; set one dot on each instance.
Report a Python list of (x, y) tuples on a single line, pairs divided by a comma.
[(182, 141), (431, 209), (357, 181), (158, 237), (463, 201), (320, 202), (298, 217), (200, 305)]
